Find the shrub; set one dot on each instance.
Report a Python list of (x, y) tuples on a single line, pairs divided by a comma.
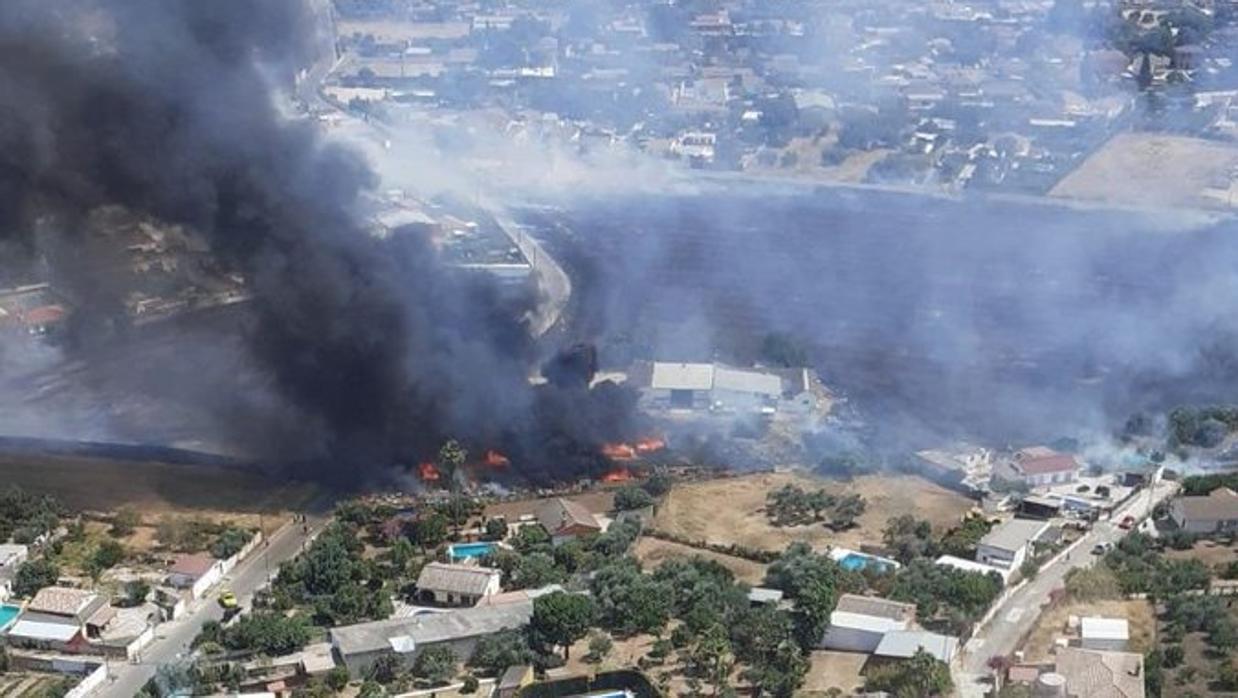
[(337, 678), (471, 684)]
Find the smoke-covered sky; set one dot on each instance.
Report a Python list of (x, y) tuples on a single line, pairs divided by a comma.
[(357, 353)]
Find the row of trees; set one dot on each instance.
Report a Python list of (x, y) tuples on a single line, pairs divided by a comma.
[(791, 505)]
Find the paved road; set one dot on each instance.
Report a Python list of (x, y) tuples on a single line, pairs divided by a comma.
[(172, 639), (1016, 616), (555, 284)]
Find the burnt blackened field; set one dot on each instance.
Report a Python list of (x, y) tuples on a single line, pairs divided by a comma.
[(938, 319)]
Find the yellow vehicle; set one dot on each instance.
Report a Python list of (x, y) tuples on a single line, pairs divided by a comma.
[(227, 599)]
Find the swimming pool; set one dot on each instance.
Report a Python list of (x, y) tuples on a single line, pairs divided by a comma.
[(858, 561), (7, 614), (463, 551)]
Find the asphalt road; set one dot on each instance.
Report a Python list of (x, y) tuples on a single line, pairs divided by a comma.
[(172, 639), (1015, 618)]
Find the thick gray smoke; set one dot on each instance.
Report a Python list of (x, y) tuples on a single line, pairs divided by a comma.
[(165, 107)]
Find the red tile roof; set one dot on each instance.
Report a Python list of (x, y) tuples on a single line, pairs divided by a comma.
[(1040, 465)]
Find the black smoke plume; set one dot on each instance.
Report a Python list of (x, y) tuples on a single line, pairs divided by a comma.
[(166, 107)]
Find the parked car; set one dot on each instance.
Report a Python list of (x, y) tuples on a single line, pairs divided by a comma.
[(1101, 548), (227, 599), (1127, 522)]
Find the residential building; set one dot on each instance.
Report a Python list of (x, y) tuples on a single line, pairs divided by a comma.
[(61, 619), (565, 520), (11, 557), (903, 644), (1007, 545), (197, 572), (859, 623), (1215, 512), (1039, 466), (1108, 634), (457, 585), (361, 644), (964, 565), (1087, 673)]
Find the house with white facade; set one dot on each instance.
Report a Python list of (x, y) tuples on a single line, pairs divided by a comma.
[(1008, 545), (197, 572), (859, 623), (457, 585), (1039, 466), (1215, 512)]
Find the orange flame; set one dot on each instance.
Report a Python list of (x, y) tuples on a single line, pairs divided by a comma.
[(494, 459), (428, 472), (617, 475), (619, 451), (650, 444)]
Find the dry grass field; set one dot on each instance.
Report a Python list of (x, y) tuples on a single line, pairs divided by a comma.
[(1052, 624), (732, 510), (1155, 170), (828, 670), (1209, 552), (653, 552), (157, 490)]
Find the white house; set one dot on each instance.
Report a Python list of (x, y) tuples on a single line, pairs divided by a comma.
[(457, 585), (1039, 466), (11, 557), (1007, 545), (859, 623), (1105, 634), (197, 573)]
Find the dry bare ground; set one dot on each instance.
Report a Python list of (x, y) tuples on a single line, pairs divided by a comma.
[(732, 510), (1052, 624), (829, 669)]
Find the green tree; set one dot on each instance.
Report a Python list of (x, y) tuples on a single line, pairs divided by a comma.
[(559, 618), (268, 633), (630, 601), (631, 497), (712, 658), (436, 664), (124, 522), (34, 575), (846, 511), (136, 592), (430, 531), (536, 570), (922, 676), (529, 538), (384, 669), (1227, 676), (909, 538), (372, 689), (495, 653), (600, 645), (659, 483), (338, 678), (496, 529), (961, 541)]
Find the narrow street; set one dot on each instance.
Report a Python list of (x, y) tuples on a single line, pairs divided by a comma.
[(1015, 618), (172, 639)]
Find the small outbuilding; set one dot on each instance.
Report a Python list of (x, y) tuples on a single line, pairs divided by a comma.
[(1105, 634)]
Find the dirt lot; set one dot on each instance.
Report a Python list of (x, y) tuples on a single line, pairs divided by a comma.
[(1145, 169), (732, 510), (653, 552), (1052, 625), (1206, 551), (833, 670), (157, 490)]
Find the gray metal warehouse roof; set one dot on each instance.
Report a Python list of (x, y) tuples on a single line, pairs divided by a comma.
[(429, 628)]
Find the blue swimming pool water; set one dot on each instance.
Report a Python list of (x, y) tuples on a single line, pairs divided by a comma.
[(461, 551), (7, 614), (855, 561)]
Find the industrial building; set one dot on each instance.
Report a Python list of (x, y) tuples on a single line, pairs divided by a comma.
[(358, 646), (718, 388)]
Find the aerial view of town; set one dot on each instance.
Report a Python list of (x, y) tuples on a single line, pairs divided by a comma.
[(619, 348)]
